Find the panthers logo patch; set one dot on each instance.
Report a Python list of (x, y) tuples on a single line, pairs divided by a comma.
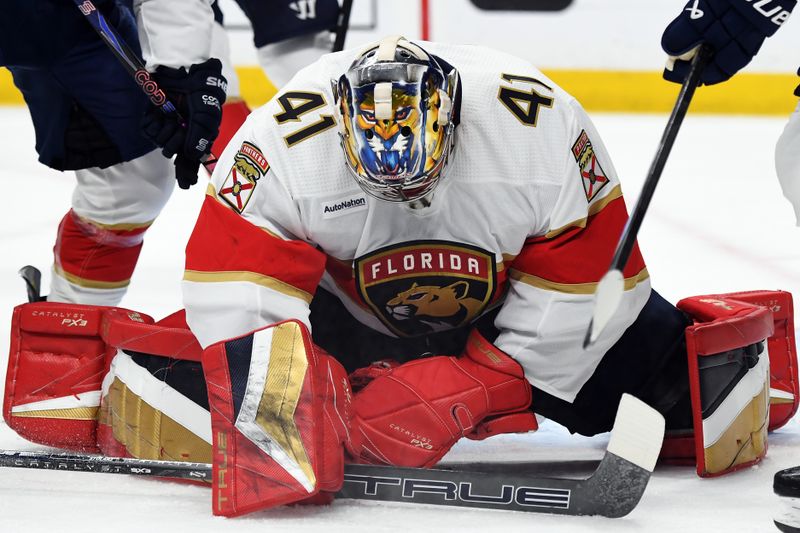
[(249, 165), (426, 287)]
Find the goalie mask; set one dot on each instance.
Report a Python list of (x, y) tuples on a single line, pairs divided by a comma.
[(397, 109)]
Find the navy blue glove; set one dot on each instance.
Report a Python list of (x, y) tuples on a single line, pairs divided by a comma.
[(735, 29), (198, 95)]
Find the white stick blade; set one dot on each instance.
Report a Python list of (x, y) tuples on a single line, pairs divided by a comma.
[(606, 300), (638, 433)]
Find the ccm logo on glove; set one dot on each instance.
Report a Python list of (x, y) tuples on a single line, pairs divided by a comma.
[(211, 100)]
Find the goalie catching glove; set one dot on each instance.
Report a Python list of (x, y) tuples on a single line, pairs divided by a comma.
[(412, 414)]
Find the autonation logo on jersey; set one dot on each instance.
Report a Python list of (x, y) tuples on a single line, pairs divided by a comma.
[(343, 207)]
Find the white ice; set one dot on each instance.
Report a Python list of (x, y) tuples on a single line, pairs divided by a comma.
[(717, 223)]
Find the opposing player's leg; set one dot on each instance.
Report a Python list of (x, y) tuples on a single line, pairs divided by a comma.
[(100, 238), (290, 35), (786, 485), (235, 110), (86, 112)]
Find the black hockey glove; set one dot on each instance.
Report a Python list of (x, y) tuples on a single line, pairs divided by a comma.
[(198, 95), (734, 28)]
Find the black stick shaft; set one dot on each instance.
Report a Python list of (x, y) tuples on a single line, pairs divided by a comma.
[(132, 63), (628, 238), (105, 465), (125, 55), (613, 490), (342, 25)]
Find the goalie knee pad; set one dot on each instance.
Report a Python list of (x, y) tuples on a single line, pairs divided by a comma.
[(279, 417), (412, 414), (734, 341)]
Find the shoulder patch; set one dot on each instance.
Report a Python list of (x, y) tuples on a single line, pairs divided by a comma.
[(249, 166), (592, 175)]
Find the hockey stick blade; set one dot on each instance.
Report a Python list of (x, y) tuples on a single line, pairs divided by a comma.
[(33, 282), (613, 490), (606, 300)]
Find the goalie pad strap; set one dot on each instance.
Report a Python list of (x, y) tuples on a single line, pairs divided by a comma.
[(169, 337)]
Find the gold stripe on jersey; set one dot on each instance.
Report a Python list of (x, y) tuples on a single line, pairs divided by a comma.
[(250, 277), (571, 288), (90, 283), (507, 260), (115, 227), (594, 208)]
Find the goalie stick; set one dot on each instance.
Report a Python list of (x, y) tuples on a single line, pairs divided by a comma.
[(613, 490)]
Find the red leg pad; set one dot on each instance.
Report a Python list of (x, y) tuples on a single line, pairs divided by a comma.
[(55, 370), (279, 416), (413, 414), (729, 384), (783, 381)]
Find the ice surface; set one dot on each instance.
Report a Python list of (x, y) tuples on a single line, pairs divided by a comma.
[(717, 223)]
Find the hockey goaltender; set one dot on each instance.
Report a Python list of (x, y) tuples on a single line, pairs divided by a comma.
[(410, 261)]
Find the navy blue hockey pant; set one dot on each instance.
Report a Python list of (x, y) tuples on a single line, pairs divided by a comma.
[(86, 109)]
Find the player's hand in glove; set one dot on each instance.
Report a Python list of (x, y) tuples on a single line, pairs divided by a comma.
[(198, 95), (735, 29)]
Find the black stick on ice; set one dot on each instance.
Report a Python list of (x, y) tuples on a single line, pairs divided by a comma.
[(611, 287), (613, 490)]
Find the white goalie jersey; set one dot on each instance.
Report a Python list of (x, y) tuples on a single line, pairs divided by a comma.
[(526, 216)]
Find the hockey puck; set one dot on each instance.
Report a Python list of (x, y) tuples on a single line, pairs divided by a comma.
[(787, 486), (787, 483)]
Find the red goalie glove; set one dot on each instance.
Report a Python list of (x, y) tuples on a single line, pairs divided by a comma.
[(412, 415)]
